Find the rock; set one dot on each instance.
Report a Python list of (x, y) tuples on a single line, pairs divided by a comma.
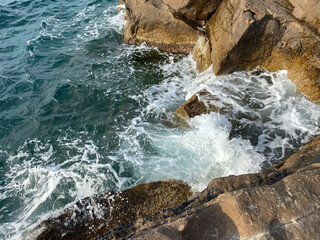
[(277, 204), (121, 5), (198, 104), (235, 35), (308, 155), (244, 32), (96, 215), (153, 23), (299, 52), (247, 34), (191, 108), (307, 11), (202, 53), (194, 12)]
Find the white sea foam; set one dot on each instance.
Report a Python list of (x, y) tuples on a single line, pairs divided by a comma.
[(37, 180), (153, 144)]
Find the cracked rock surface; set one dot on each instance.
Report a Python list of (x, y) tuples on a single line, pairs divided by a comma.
[(234, 35), (282, 203)]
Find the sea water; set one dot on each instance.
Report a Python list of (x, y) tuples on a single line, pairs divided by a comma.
[(83, 113)]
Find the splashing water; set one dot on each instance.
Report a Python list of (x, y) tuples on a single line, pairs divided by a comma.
[(83, 113)]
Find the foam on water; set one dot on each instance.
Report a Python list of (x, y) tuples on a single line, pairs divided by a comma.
[(265, 120)]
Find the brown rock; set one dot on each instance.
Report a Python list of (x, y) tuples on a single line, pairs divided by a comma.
[(193, 11), (244, 32), (270, 205), (309, 154), (191, 108), (307, 11), (153, 23), (299, 52), (247, 34), (94, 216), (198, 104), (202, 53)]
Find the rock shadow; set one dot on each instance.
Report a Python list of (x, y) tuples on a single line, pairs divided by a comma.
[(210, 223)]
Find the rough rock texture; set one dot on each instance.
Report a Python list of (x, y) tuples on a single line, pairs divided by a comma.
[(308, 154), (153, 23), (307, 11), (278, 204), (247, 34), (235, 35), (94, 216), (194, 12), (202, 53), (194, 106)]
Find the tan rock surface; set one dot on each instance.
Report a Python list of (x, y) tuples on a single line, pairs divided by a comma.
[(153, 23), (271, 205), (202, 53), (307, 11), (247, 34), (242, 35), (193, 107)]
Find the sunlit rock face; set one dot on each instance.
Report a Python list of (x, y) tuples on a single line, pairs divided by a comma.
[(281, 203), (234, 35)]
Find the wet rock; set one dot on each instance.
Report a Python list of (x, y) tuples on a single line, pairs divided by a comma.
[(235, 35), (306, 156), (202, 53), (246, 34), (193, 107), (277, 204), (152, 22), (96, 215), (198, 104)]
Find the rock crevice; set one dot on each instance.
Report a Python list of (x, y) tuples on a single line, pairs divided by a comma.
[(241, 35)]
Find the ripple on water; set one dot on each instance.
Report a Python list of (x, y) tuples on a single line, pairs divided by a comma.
[(88, 114)]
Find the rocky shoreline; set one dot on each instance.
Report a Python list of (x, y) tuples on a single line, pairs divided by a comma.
[(281, 202), (234, 35)]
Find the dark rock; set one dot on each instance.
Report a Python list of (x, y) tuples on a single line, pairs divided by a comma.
[(96, 215), (194, 12), (196, 105)]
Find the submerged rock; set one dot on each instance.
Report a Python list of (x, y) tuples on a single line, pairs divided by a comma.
[(96, 215)]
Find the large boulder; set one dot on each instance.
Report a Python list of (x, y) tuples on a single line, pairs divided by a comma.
[(96, 215), (277, 204), (153, 22), (235, 35), (247, 34)]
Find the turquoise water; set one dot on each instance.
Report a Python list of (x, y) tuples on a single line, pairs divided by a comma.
[(82, 113)]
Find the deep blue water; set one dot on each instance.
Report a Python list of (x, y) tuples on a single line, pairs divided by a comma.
[(82, 113)]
